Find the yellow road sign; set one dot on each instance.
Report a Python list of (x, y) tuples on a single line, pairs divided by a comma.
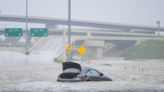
[(69, 48), (82, 50)]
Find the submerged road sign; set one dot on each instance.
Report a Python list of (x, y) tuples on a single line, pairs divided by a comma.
[(13, 32), (38, 32)]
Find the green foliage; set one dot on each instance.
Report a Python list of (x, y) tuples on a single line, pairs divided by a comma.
[(151, 49), (58, 61)]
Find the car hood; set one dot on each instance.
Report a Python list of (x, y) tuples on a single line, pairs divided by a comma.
[(67, 65)]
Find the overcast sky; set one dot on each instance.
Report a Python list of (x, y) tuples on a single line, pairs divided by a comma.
[(138, 12)]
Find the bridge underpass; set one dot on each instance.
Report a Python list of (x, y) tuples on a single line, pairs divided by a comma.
[(105, 48), (121, 41)]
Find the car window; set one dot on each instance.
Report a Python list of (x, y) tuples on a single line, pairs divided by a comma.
[(92, 73)]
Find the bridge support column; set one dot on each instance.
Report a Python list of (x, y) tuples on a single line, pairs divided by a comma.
[(127, 30), (88, 34), (99, 53)]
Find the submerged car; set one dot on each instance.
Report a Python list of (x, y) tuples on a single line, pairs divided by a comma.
[(72, 72)]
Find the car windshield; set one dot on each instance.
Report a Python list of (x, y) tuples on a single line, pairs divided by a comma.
[(92, 73)]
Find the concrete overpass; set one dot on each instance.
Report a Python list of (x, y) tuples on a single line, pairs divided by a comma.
[(53, 21), (84, 34), (126, 32)]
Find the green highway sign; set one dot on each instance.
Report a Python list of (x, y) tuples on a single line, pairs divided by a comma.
[(13, 32), (38, 32)]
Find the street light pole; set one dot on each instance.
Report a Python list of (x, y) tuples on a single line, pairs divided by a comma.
[(69, 56), (158, 23), (69, 21), (27, 35)]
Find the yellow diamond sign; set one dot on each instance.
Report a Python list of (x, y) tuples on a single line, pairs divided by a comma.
[(82, 50)]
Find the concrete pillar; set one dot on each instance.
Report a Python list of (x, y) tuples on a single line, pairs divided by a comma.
[(131, 31), (158, 32), (99, 52), (88, 34), (126, 30)]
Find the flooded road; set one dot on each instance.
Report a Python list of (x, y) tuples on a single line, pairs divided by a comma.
[(128, 76)]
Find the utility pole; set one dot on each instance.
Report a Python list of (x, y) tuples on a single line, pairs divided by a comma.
[(158, 32), (27, 34), (69, 56)]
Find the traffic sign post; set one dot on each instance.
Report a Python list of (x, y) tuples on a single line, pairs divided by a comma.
[(13, 32), (69, 50), (39, 32)]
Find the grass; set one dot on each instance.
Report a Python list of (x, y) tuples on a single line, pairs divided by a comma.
[(150, 49), (58, 61)]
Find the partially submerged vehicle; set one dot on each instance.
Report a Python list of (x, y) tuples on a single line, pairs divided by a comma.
[(73, 72)]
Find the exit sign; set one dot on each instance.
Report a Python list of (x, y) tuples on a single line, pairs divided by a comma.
[(13, 32), (39, 32)]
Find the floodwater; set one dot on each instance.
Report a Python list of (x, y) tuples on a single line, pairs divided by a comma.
[(28, 74)]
